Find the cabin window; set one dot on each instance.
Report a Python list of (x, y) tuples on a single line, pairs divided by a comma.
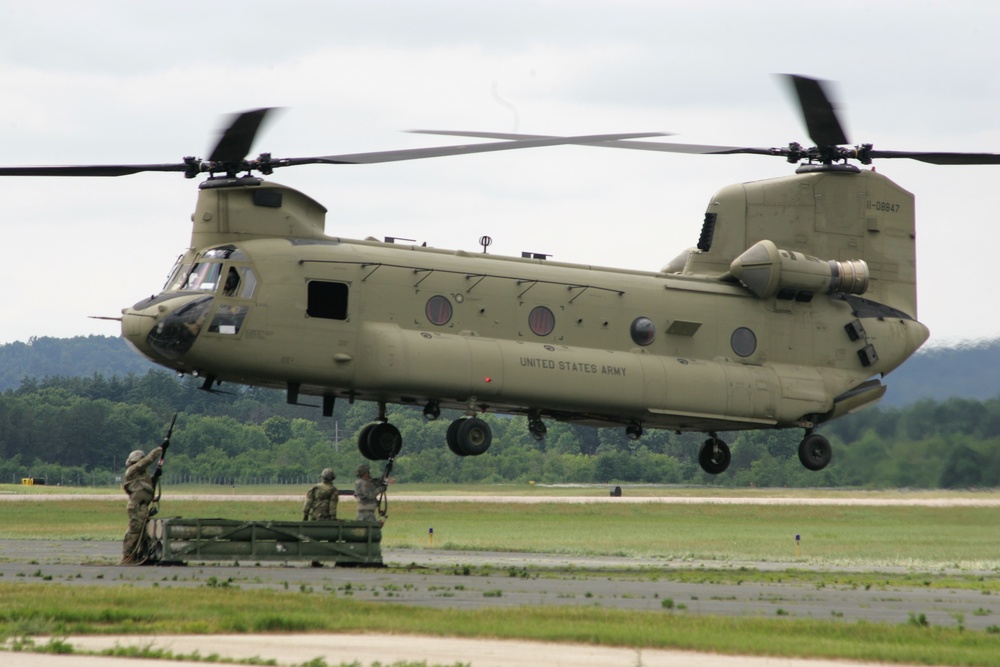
[(643, 331), (744, 342), (438, 310), (541, 321), (327, 300)]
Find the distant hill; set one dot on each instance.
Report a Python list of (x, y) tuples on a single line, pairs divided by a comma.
[(970, 370), (81, 356), (965, 371)]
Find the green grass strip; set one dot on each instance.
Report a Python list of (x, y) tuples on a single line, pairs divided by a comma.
[(33, 609)]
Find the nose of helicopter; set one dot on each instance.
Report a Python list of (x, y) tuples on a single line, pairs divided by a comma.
[(164, 327)]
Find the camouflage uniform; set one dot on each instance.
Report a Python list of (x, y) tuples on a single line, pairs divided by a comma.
[(139, 487), (366, 493), (321, 499)]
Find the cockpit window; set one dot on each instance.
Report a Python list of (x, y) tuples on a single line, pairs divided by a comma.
[(232, 282), (204, 277), (249, 283), (224, 252), (178, 276)]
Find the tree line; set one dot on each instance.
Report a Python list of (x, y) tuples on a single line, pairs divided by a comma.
[(79, 430)]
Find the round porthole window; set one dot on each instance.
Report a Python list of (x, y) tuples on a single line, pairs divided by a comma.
[(744, 342), (643, 331), (438, 310), (541, 321)]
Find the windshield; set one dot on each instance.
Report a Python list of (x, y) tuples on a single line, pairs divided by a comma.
[(178, 275), (204, 277)]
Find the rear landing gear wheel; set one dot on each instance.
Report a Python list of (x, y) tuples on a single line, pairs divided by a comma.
[(714, 456), (815, 451)]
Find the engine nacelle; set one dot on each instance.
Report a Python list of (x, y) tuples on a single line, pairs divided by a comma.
[(767, 271)]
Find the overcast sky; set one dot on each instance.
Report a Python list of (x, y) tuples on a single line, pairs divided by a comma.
[(135, 82)]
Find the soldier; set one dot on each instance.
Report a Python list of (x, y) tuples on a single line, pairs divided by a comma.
[(139, 486), (321, 499), (366, 493)]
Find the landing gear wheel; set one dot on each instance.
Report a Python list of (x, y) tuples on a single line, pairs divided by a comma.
[(815, 451), (473, 436), (451, 437), (384, 441), (537, 429), (714, 456), (363, 445)]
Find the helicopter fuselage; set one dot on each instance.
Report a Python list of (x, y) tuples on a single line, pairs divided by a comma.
[(367, 320)]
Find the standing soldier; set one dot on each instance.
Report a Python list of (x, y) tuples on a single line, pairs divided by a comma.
[(139, 485), (321, 499), (366, 493)]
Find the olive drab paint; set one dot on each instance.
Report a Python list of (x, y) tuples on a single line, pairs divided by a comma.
[(797, 299), (691, 348)]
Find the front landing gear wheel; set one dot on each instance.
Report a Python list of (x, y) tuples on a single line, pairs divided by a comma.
[(384, 441), (469, 436), (474, 436), (363, 446), (714, 456), (815, 451)]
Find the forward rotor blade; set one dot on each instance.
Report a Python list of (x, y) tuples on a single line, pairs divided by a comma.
[(443, 151), (696, 149), (355, 158), (818, 112), (237, 138), (90, 170), (940, 158)]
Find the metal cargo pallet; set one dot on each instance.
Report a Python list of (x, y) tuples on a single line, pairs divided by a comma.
[(176, 540)]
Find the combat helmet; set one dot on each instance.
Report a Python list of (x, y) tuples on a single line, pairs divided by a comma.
[(327, 475), (363, 469), (134, 457)]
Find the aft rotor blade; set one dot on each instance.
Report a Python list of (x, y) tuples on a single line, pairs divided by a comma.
[(818, 112), (443, 151)]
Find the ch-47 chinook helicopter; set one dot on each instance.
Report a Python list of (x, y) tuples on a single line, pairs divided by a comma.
[(800, 294)]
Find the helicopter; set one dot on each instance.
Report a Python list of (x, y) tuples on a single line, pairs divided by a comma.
[(798, 299)]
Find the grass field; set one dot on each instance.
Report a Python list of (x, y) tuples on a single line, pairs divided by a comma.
[(926, 538), (922, 541)]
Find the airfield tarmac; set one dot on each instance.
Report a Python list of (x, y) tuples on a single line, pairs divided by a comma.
[(435, 578), (445, 578)]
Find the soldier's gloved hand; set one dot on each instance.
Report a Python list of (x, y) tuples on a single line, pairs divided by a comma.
[(166, 443)]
